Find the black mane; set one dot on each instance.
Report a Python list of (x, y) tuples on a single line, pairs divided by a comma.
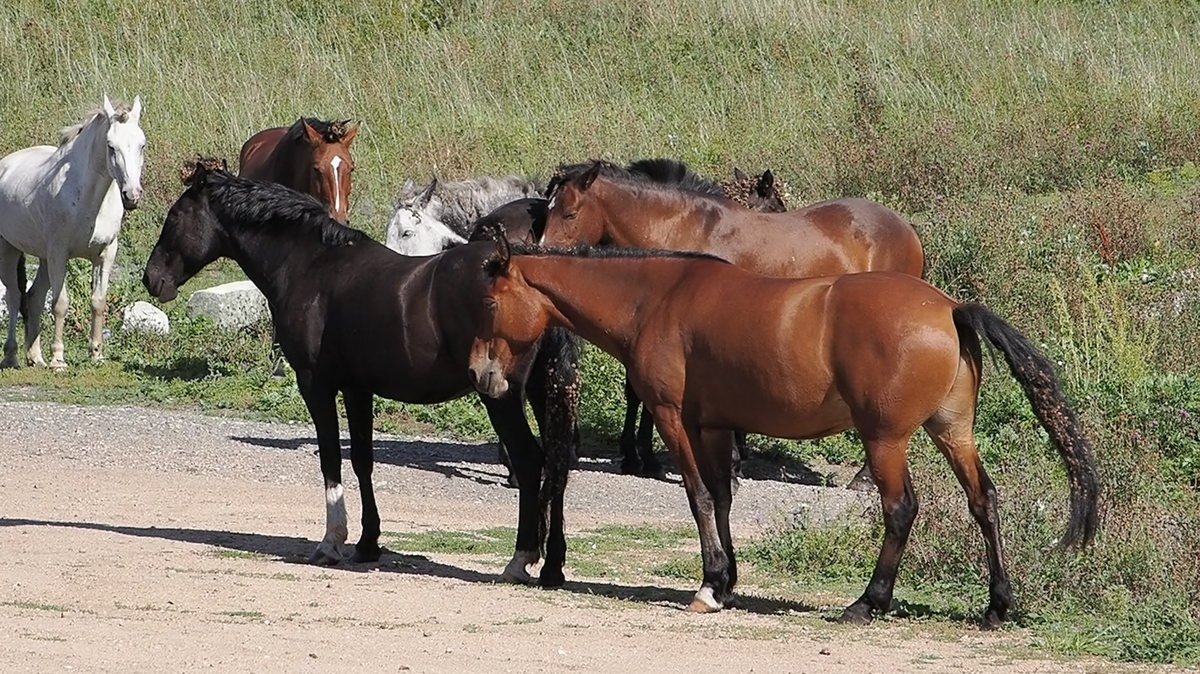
[(521, 248), (252, 203), (330, 131), (656, 173)]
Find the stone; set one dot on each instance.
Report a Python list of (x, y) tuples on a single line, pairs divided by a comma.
[(232, 305), (145, 317)]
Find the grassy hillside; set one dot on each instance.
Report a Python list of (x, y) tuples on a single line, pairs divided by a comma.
[(1046, 153)]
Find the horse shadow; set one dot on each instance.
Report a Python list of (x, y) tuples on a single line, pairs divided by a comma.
[(448, 459), (295, 550)]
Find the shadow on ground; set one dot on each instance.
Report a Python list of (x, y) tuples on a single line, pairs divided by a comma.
[(295, 550)]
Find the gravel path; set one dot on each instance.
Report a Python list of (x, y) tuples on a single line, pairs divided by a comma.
[(147, 540)]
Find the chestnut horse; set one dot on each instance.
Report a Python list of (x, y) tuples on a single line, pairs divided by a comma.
[(711, 347), (310, 156), (598, 203)]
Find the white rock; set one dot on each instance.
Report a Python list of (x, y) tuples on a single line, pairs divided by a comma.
[(232, 305), (145, 317)]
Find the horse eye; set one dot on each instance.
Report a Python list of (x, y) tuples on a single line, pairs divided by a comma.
[(489, 304), (407, 234), (570, 216)]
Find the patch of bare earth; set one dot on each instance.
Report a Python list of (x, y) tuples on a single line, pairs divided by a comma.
[(143, 540)]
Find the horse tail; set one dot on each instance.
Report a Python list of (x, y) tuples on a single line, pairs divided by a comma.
[(22, 283), (559, 353), (1036, 376)]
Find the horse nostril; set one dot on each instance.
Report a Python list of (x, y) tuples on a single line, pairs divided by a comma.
[(473, 376)]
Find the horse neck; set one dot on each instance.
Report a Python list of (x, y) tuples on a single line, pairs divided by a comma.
[(607, 319), (649, 219), (87, 164), (272, 256)]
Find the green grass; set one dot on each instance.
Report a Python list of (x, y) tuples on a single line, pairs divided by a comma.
[(1046, 153)]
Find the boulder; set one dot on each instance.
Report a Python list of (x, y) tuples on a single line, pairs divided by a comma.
[(145, 317), (232, 305)]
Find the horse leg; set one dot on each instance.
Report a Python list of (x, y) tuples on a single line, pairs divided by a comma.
[(952, 433), (631, 463), (9, 259), (507, 415), (37, 302), (719, 444), (645, 446), (360, 413), (100, 275), (321, 400), (702, 480), (888, 459)]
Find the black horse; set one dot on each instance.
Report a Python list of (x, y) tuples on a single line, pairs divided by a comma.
[(355, 317)]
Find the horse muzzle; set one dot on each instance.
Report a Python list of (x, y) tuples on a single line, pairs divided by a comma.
[(488, 380), (160, 289), (130, 200)]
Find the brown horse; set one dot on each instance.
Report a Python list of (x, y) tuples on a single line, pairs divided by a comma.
[(310, 156), (598, 203), (710, 347)]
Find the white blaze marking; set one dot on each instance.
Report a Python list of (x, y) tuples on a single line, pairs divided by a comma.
[(337, 185)]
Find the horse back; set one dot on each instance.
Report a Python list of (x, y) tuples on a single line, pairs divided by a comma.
[(255, 161)]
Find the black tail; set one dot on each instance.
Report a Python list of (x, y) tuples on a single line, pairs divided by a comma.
[(1036, 376), (23, 307), (559, 356)]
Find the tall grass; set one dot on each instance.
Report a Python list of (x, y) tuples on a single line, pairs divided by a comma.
[(1044, 151)]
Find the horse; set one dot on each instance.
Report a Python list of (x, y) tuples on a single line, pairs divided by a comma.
[(598, 203), (433, 218), (759, 193), (310, 156), (884, 353), (64, 202), (354, 317)]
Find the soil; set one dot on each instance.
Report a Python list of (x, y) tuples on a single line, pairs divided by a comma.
[(147, 540)]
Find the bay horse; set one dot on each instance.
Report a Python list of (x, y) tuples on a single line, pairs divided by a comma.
[(598, 203), (64, 202), (310, 156), (354, 317), (711, 347)]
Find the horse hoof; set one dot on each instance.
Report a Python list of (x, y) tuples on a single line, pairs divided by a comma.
[(9, 362), (993, 619), (631, 468), (511, 481), (551, 578), (322, 558), (58, 365), (856, 614), (365, 554), (514, 577), (704, 602)]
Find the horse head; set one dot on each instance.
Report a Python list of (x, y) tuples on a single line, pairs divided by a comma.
[(190, 237), (416, 227), (125, 153), (331, 164), (513, 317), (573, 215)]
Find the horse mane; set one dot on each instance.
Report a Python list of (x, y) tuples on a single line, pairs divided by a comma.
[(70, 133), (494, 264), (269, 205), (656, 173), (330, 131)]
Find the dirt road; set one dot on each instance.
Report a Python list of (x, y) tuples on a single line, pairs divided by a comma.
[(143, 540)]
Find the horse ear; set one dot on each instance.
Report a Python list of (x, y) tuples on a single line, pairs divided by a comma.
[(109, 110), (586, 180), (346, 139), (311, 133), (426, 195), (135, 113), (765, 182), (224, 165), (408, 185), (737, 174)]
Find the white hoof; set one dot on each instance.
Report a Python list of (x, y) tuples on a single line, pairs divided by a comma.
[(705, 602)]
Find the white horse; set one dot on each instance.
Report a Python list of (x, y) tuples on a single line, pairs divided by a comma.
[(58, 203), (430, 219)]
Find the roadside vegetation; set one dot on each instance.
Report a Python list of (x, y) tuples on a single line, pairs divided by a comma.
[(1046, 152)]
